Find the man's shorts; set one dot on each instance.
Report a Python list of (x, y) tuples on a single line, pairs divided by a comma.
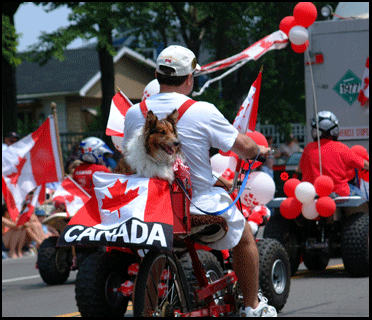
[(215, 200)]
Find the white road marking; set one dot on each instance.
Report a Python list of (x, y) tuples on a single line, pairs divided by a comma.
[(20, 279)]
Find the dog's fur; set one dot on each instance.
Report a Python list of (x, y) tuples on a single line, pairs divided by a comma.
[(153, 149)]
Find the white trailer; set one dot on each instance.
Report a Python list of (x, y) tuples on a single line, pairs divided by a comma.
[(338, 51)]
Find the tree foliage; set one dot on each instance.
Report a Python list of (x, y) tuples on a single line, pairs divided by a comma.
[(222, 29)]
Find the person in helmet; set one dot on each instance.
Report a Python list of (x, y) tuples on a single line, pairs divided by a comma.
[(92, 154), (336, 157)]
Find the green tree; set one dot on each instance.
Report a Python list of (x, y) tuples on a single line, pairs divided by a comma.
[(88, 20), (9, 61)]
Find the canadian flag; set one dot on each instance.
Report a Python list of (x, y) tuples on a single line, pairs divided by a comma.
[(72, 194), (364, 92), (28, 163), (38, 198), (246, 119), (119, 107), (126, 211), (115, 124)]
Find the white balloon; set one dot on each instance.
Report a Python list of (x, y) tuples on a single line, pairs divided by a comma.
[(260, 189), (309, 210), (220, 163), (118, 143), (298, 35), (305, 192), (152, 88)]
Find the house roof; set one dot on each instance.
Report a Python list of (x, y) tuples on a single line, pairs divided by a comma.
[(77, 73)]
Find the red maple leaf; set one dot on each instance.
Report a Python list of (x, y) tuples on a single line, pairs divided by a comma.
[(266, 44), (70, 197), (15, 175), (119, 197)]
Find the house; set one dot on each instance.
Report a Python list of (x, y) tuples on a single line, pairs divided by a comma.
[(74, 85)]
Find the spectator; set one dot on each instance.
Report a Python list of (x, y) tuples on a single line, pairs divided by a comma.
[(288, 148), (9, 139), (13, 237), (267, 166), (41, 215)]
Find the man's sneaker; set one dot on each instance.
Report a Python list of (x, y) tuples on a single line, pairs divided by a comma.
[(263, 309)]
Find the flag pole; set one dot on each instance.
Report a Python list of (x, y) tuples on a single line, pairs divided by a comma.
[(53, 105)]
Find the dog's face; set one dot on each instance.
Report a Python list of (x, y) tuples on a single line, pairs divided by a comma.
[(161, 142)]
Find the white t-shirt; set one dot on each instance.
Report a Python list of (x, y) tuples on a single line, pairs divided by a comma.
[(201, 127)]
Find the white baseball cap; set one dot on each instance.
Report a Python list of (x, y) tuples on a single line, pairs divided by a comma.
[(181, 59)]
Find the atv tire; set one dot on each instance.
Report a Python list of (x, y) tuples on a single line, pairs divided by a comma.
[(355, 244), (315, 261), (53, 263), (96, 273), (275, 277), (286, 232)]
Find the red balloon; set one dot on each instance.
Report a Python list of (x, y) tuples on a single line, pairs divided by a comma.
[(360, 151), (290, 208), (290, 186), (260, 139), (323, 186), (301, 48), (286, 24), (325, 206), (305, 14)]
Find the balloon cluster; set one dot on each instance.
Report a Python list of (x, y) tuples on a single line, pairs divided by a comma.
[(304, 15), (260, 188), (301, 198)]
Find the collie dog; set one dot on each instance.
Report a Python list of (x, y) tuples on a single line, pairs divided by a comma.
[(153, 149)]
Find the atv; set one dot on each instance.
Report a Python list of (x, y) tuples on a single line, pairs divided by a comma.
[(345, 234)]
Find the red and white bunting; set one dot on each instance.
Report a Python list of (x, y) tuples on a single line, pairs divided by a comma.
[(274, 41)]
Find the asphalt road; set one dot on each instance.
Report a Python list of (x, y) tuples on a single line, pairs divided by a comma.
[(330, 293)]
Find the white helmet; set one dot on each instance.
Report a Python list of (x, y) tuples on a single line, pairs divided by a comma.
[(328, 125), (92, 150), (152, 88)]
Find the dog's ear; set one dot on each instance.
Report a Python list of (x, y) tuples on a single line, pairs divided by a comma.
[(173, 117), (151, 120)]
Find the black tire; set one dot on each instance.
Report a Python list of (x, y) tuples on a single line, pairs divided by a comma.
[(287, 233), (275, 277), (146, 302), (354, 245), (96, 275), (211, 267), (316, 261), (54, 263)]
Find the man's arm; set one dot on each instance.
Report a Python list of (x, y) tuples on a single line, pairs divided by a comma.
[(366, 165), (246, 148)]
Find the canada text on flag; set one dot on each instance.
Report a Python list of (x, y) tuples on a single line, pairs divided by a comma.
[(127, 211)]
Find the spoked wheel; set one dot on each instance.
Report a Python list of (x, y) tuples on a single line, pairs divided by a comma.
[(161, 288)]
